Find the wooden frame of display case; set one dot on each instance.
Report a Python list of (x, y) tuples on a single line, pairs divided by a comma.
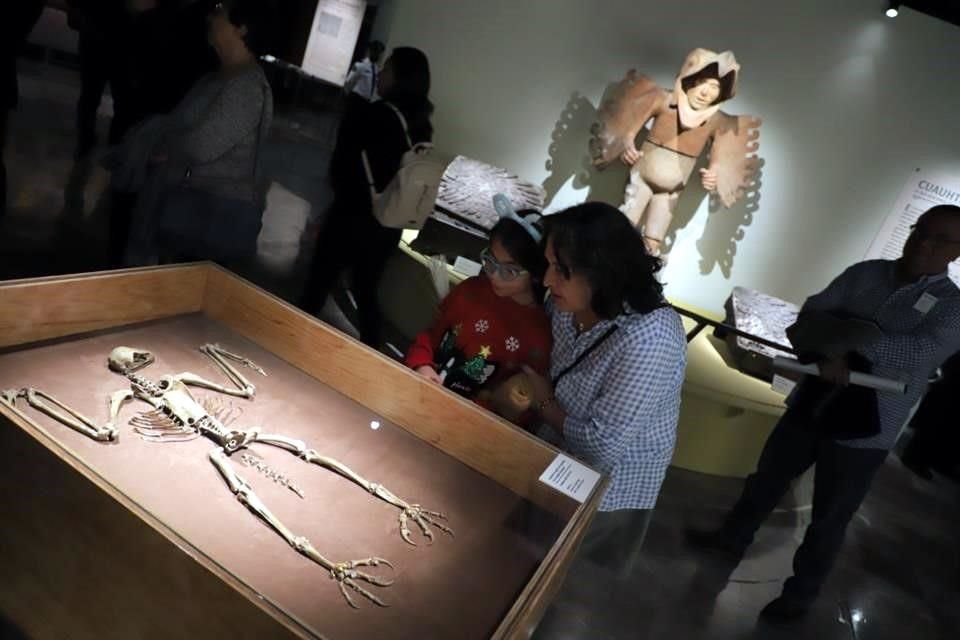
[(150, 579)]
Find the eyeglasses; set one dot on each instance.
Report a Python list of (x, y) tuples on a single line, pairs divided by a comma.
[(924, 235), (492, 267)]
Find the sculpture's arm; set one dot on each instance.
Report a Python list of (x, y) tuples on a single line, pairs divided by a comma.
[(633, 101), (733, 159)]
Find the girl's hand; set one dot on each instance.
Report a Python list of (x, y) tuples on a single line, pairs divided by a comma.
[(540, 388), (430, 374)]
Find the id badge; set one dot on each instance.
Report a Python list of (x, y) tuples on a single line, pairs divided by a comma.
[(925, 303)]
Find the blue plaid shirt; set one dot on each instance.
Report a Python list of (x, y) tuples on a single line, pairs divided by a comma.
[(914, 343), (622, 401)]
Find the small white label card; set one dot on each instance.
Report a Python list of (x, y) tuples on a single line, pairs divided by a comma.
[(925, 303), (466, 266), (782, 385), (569, 477)]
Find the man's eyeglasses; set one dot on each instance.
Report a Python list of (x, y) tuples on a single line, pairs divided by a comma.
[(492, 267), (924, 235)]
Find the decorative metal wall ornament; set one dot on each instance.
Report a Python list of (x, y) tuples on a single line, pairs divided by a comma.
[(468, 186)]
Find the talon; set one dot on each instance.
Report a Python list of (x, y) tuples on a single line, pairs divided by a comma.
[(346, 575), (427, 534), (424, 520), (404, 529), (347, 597)]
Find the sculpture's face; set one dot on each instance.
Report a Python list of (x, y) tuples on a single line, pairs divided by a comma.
[(127, 360), (704, 94)]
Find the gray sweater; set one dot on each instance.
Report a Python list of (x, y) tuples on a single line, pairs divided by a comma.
[(214, 136), (211, 140)]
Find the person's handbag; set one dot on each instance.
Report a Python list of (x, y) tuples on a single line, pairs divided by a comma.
[(408, 199)]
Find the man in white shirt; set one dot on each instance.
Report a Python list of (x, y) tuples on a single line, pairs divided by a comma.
[(846, 431), (362, 79)]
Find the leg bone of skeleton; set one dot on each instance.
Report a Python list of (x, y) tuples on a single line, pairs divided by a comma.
[(344, 573), (420, 516), (63, 414), (245, 389)]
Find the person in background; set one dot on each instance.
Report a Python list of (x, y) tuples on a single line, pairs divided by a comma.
[(17, 19), (936, 441), (362, 79), (489, 326), (201, 197), (619, 355), (100, 27), (351, 237), (900, 319), (166, 53), (179, 53)]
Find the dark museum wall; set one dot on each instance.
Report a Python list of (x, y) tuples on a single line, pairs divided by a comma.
[(852, 103)]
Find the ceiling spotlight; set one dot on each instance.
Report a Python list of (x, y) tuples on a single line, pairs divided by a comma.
[(893, 10)]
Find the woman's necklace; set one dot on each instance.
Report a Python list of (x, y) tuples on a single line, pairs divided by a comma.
[(582, 326)]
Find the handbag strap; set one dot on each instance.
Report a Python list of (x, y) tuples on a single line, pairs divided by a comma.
[(366, 161), (586, 352), (403, 123)]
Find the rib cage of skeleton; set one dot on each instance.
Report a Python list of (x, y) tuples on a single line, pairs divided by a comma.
[(177, 416)]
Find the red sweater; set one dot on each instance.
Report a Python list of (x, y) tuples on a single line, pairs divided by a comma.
[(480, 339)]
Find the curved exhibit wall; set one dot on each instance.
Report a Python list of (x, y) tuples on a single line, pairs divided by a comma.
[(852, 104)]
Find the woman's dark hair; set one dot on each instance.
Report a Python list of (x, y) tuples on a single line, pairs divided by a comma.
[(596, 240), (411, 88), (525, 251), (251, 14)]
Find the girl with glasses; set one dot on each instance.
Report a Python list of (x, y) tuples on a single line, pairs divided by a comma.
[(492, 325)]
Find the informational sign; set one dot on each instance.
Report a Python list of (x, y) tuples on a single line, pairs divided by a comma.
[(783, 385), (921, 192), (333, 38), (569, 477)]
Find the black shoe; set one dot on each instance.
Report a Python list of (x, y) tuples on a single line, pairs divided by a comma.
[(784, 610), (714, 542)]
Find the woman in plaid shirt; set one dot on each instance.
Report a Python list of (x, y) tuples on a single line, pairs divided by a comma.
[(617, 366)]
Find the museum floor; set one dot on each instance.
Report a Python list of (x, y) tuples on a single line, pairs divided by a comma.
[(898, 575)]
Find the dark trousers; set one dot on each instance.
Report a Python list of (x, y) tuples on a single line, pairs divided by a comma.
[(352, 239), (95, 66), (197, 225), (841, 481)]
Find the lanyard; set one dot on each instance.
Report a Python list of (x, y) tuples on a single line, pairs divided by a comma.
[(583, 356)]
